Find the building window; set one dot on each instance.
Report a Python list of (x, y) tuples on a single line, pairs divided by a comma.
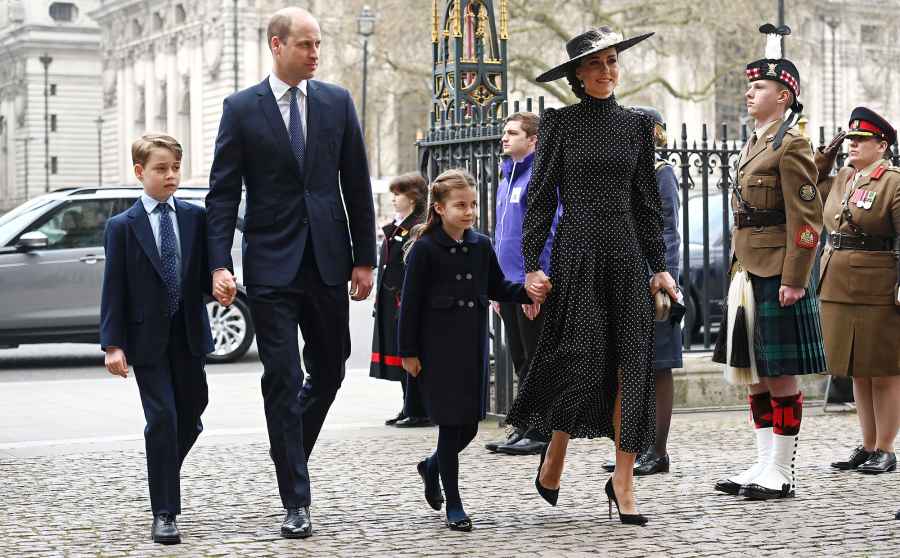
[(53, 90), (63, 12), (52, 122), (158, 22), (54, 165), (870, 34), (180, 15)]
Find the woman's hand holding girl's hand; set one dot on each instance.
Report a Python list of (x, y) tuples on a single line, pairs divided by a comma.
[(664, 281), (412, 365), (531, 310), (537, 286)]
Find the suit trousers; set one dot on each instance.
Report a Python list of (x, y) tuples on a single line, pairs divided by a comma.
[(296, 407), (174, 394)]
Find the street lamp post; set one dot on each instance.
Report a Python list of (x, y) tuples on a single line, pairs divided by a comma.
[(99, 123), (833, 23), (46, 60), (365, 27)]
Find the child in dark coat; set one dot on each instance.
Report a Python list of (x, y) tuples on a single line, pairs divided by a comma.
[(452, 274)]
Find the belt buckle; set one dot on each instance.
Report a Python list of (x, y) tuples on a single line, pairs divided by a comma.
[(835, 238)]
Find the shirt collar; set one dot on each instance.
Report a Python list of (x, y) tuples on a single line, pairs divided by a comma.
[(150, 203), (870, 169), (279, 88), (760, 132)]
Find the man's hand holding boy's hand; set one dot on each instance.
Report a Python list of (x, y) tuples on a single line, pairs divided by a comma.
[(115, 362), (412, 365), (224, 287)]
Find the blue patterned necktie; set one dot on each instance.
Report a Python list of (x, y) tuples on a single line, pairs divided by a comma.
[(295, 126), (168, 253)]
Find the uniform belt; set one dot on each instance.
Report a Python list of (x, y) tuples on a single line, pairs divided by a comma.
[(759, 218), (869, 243)]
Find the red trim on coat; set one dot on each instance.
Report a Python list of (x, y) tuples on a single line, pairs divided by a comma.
[(389, 360)]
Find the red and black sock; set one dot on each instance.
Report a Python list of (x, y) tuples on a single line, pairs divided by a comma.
[(761, 410), (786, 414)]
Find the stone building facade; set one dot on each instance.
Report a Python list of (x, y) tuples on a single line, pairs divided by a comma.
[(69, 39)]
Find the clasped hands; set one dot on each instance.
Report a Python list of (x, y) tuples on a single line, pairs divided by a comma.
[(538, 286), (224, 287)]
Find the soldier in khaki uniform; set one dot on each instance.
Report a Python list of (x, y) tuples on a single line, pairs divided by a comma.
[(858, 283), (773, 332)]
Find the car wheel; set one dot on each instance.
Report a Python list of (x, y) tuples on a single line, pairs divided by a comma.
[(232, 330)]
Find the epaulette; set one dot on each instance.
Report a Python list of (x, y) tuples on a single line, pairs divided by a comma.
[(794, 131), (881, 169)]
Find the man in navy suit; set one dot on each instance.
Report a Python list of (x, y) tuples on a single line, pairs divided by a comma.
[(297, 146), (153, 316)]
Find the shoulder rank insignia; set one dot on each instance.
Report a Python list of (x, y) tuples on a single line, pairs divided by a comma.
[(878, 172), (808, 192), (807, 237)]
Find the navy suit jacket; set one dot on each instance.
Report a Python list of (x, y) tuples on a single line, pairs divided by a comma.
[(283, 206), (134, 302)]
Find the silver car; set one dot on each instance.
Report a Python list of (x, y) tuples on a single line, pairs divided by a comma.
[(51, 270)]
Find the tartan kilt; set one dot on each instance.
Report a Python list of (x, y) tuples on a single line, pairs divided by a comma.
[(786, 341)]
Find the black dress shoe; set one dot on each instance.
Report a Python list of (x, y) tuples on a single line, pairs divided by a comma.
[(728, 487), (297, 524), (525, 446), (165, 530), (433, 494), (859, 456), (393, 421), (512, 437), (897, 515), (879, 462), (464, 524), (413, 422), (650, 463)]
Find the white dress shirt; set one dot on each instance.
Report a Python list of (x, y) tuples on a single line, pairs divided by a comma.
[(283, 98), (150, 207)]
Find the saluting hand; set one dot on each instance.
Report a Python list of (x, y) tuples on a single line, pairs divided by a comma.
[(412, 365)]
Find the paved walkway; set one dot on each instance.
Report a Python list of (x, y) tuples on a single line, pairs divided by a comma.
[(368, 500)]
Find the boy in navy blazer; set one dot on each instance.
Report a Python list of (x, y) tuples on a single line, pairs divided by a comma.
[(153, 317)]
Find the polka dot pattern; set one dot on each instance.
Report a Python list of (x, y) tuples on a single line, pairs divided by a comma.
[(599, 316)]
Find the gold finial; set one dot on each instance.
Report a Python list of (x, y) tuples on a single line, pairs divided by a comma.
[(504, 20), (435, 22), (457, 19)]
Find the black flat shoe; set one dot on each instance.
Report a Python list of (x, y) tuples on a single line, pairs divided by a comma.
[(513, 436), (859, 456), (879, 462), (297, 524), (548, 494), (464, 524), (626, 518), (165, 530), (413, 422), (433, 494), (393, 421), (650, 464)]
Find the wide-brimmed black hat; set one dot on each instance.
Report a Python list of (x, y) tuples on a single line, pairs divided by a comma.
[(866, 123), (588, 43)]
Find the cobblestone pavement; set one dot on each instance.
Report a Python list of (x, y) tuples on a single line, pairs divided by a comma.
[(368, 501)]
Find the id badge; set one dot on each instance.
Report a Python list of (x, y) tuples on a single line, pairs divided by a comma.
[(516, 195)]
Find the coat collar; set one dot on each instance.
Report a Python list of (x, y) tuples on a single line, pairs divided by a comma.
[(761, 143), (444, 239), (411, 220), (519, 167)]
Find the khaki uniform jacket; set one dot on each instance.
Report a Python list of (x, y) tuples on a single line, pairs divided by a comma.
[(782, 180), (857, 276)]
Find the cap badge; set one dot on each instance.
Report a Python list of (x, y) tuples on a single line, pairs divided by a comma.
[(771, 71)]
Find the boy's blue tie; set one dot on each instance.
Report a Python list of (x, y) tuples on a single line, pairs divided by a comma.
[(168, 253), (295, 126)]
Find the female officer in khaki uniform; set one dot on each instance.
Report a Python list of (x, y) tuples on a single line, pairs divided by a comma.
[(858, 284)]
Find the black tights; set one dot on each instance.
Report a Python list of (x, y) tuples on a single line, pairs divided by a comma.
[(451, 441), (665, 393)]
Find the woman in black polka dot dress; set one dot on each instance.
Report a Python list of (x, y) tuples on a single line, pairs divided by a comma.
[(592, 371)]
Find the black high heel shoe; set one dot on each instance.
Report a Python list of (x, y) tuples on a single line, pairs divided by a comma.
[(550, 495), (626, 518)]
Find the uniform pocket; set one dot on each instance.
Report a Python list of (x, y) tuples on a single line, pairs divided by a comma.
[(759, 190), (873, 275), (768, 237)]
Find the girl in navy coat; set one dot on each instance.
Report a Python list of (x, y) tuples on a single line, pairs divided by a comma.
[(451, 275)]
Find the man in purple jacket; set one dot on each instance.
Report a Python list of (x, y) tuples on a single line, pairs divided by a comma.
[(519, 142)]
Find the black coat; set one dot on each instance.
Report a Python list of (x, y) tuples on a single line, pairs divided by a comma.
[(444, 321), (385, 363)]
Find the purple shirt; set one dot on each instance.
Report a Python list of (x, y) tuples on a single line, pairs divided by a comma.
[(512, 203)]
